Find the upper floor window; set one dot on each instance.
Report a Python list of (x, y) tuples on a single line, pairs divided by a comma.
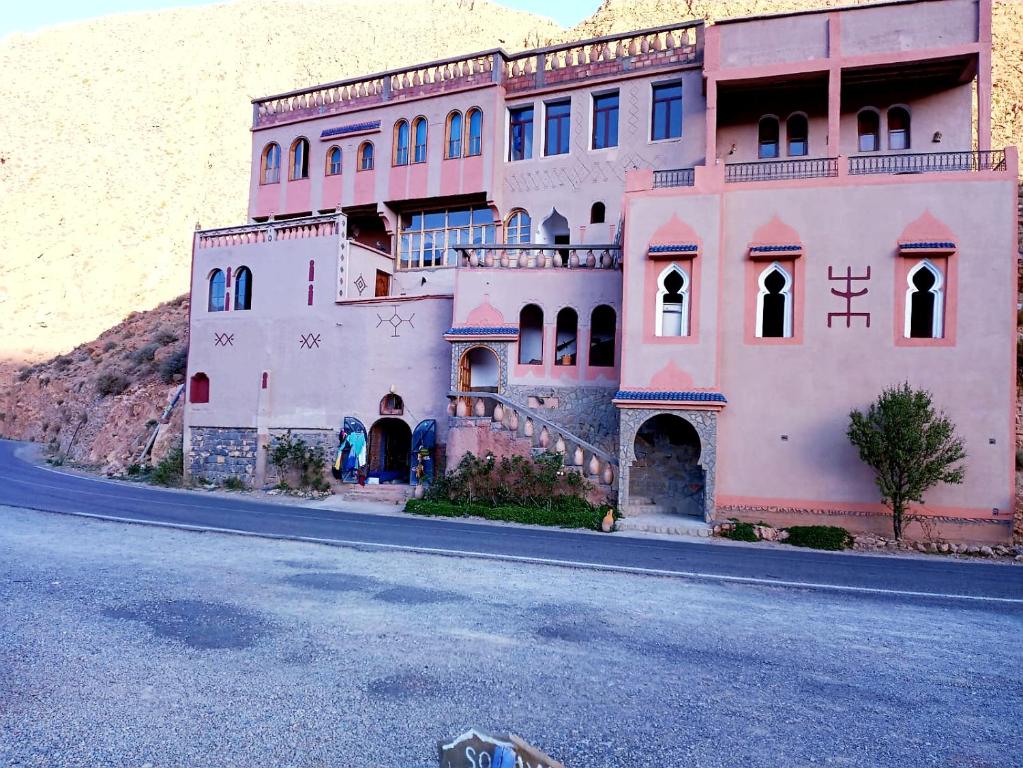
[(199, 388), (218, 290), (602, 337), (334, 161), (597, 213), (666, 117), (366, 156), (566, 331), (428, 238), (767, 137), (605, 120), (520, 133), (243, 288), (300, 159), (475, 118), (774, 303), (868, 129), (518, 227), (557, 127), (797, 133), (270, 172), (672, 308), (454, 145), (392, 405), (531, 335), (925, 302), (401, 136), (419, 137), (898, 128)]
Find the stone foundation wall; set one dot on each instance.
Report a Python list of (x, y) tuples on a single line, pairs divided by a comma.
[(584, 411), (216, 454)]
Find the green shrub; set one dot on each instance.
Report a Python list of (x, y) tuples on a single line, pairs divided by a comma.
[(145, 354), (165, 335), (171, 470), (111, 383), (829, 537), (175, 363), (741, 532), (295, 455), (563, 512), (235, 484), (517, 480), (134, 470)]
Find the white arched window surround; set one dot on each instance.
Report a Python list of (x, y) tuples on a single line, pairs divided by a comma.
[(683, 293), (938, 290), (786, 292)]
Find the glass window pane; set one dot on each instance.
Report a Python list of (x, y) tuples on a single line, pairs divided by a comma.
[(482, 216), (458, 217)]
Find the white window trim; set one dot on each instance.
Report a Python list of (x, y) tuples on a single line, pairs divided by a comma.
[(662, 292), (786, 291), (938, 289)]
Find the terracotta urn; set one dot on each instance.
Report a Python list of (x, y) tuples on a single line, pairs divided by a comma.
[(480, 408), (609, 475), (528, 429), (594, 465), (498, 413), (578, 457), (513, 421), (462, 409), (420, 491), (545, 437), (608, 523), (559, 445)]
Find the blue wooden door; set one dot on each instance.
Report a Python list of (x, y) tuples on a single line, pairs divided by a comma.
[(351, 424), (423, 438)]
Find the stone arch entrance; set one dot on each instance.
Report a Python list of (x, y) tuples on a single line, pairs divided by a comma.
[(479, 370), (390, 441)]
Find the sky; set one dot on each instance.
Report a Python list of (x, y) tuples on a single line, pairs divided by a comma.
[(24, 16)]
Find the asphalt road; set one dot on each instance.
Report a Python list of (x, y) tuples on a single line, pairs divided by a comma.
[(23, 484), (144, 647)]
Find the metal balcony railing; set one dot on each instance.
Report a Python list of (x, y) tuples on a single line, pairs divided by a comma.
[(928, 162), (780, 170), (676, 177)]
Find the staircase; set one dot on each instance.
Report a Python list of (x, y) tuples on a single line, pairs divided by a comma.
[(645, 514), (382, 494)]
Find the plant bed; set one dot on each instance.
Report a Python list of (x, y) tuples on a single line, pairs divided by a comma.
[(829, 537), (564, 512)]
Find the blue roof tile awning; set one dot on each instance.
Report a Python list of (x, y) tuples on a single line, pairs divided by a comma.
[(689, 397), (675, 248), (342, 130), (929, 245), (775, 248), (479, 330)]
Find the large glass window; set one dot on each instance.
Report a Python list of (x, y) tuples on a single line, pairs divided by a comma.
[(271, 164), (898, 128), (605, 120), (767, 137), (300, 159), (475, 132), (666, 122), (517, 228), (243, 288), (428, 238), (797, 132), (218, 288), (868, 127), (558, 128), (520, 133)]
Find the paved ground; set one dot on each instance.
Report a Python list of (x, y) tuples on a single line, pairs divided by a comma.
[(125, 645)]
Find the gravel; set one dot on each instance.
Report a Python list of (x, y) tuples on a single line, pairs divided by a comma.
[(134, 646)]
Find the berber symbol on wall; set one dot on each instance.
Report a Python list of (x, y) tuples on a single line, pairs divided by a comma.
[(848, 294), (360, 283), (308, 340), (223, 339), (395, 321)]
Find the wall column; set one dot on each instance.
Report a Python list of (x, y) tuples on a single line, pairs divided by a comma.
[(984, 76)]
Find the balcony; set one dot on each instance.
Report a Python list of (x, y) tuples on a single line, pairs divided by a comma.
[(289, 229), (781, 170), (928, 162), (590, 256), (677, 177)]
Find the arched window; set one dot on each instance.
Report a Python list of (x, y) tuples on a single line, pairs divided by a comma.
[(602, 336), (517, 228), (898, 128), (271, 164), (475, 118), (774, 303), (333, 161), (868, 128), (597, 213), (243, 288), (401, 135), (392, 405), (454, 147), (199, 388), (672, 302), (925, 302), (531, 335), (797, 134), (300, 159), (419, 137), (566, 334), (366, 156), (767, 139), (218, 287)]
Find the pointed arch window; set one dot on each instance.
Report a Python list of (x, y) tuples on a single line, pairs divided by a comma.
[(271, 164), (868, 129), (531, 335), (334, 161), (767, 137), (898, 128), (774, 303), (300, 159), (419, 127), (566, 337), (218, 290), (797, 134), (925, 302), (518, 227), (597, 213), (454, 131), (603, 320), (475, 118), (366, 156), (243, 288), (673, 302), (401, 135)]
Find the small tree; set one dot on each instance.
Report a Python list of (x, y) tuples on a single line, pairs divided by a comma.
[(910, 447)]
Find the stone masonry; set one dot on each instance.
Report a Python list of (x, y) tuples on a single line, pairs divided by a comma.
[(584, 411), (218, 453)]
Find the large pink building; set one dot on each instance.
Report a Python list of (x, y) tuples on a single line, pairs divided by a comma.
[(679, 256)]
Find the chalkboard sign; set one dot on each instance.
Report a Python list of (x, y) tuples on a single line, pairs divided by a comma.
[(474, 749)]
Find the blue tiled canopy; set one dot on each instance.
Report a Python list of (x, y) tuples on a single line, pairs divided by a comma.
[(692, 397)]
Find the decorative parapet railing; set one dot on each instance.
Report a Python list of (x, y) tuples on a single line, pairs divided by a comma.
[(659, 47), (289, 229), (928, 162), (780, 170), (504, 413), (540, 255), (676, 177)]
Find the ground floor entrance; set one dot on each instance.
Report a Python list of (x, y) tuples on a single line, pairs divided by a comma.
[(390, 442)]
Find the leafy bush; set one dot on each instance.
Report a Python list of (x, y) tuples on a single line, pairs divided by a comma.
[(111, 383), (294, 455), (741, 532), (565, 512), (165, 335), (171, 470), (536, 481), (175, 363), (134, 470), (829, 537), (110, 345), (235, 484), (145, 354)]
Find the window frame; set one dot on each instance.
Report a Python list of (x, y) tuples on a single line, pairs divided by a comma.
[(877, 131), (596, 112), (560, 126), (478, 139), (402, 137), (213, 275), (453, 146), (419, 149), (527, 139), (654, 101), (361, 164), (514, 223), (475, 232), (937, 290), (243, 277), (264, 166), (293, 160), (541, 333), (328, 169), (786, 292), (686, 303), (907, 131), (761, 143), (806, 135)]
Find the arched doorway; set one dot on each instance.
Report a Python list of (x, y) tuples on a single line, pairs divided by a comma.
[(390, 441), (554, 230), (479, 370), (667, 471)]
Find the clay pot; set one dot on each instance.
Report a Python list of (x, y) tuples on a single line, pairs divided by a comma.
[(420, 491), (462, 409), (594, 465), (608, 523), (573, 259), (524, 259), (545, 437), (498, 413), (480, 408), (474, 259), (513, 421), (528, 429), (578, 457), (559, 445), (451, 407)]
